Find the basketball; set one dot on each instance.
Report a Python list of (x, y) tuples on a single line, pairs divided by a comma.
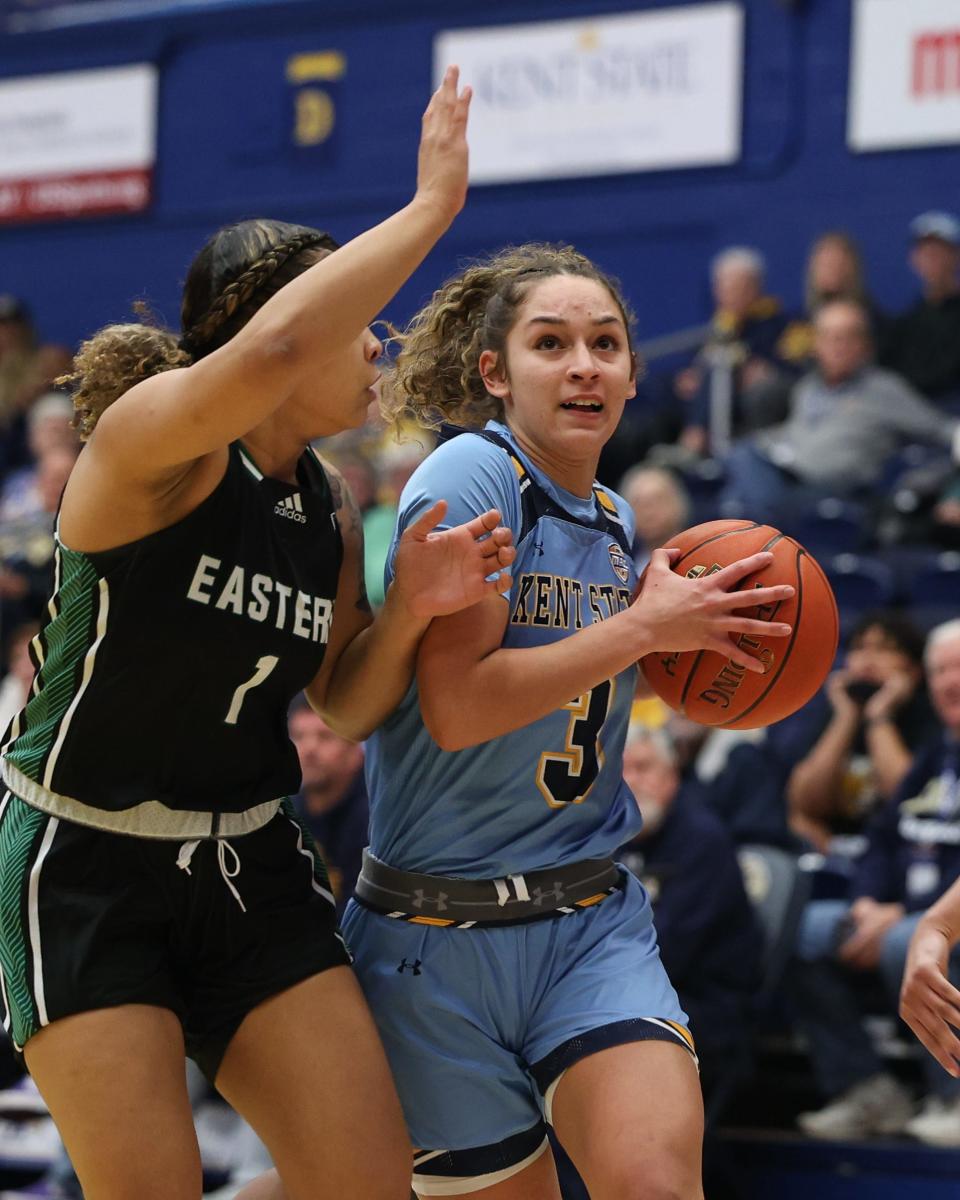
[(708, 688)]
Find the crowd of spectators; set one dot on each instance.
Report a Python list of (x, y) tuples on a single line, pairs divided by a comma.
[(840, 424)]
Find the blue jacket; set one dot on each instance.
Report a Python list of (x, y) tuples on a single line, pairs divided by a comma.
[(913, 849)]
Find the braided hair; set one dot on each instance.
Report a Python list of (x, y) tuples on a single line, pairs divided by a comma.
[(234, 275), (237, 272), (436, 377)]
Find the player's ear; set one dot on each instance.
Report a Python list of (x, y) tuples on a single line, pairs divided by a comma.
[(493, 375)]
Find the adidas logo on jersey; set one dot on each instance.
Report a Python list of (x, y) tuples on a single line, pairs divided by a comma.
[(291, 508)]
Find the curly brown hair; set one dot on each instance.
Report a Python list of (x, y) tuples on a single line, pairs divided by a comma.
[(111, 362), (436, 376)]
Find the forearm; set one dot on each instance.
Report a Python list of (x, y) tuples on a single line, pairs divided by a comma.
[(810, 830), (464, 705), (890, 757), (373, 672), (814, 785), (330, 304)]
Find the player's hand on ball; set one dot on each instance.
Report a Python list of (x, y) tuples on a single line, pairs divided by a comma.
[(441, 572), (679, 614)]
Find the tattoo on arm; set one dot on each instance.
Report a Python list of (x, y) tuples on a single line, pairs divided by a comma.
[(351, 525)]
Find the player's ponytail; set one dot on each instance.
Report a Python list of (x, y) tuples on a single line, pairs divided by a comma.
[(436, 377), (112, 362)]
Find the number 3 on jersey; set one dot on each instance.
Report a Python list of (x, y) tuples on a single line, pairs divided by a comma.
[(566, 777)]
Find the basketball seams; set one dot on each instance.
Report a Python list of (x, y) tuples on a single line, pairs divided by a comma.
[(686, 686), (829, 591), (745, 528), (715, 537), (800, 663), (801, 553)]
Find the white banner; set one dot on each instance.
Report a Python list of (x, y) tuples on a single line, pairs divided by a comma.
[(77, 141), (904, 74), (633, 92)]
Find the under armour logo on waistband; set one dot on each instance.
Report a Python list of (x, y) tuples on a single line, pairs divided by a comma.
[(439, 901), (556, 893)]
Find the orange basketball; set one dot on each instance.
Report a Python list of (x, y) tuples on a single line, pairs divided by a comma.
[(707, 687)]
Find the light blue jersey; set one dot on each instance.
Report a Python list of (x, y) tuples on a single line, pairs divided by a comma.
[(551, 792)]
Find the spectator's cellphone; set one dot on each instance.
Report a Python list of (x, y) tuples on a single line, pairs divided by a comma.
[(860, 690)]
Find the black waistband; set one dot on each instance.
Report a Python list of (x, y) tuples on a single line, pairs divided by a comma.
[(444, 900)]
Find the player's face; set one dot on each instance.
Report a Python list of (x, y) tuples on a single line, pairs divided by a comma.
[(943, 680), (341, 398), (568, 370)]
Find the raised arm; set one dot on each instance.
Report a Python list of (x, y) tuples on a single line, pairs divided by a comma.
[(473, 689), (181, 415)]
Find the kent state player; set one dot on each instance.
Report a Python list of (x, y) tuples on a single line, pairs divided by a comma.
[(511, 966)]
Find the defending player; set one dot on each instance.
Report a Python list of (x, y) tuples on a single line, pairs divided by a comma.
[(156, 891), (511, 966)]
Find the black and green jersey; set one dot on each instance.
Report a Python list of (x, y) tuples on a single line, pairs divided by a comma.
[(165, 666)]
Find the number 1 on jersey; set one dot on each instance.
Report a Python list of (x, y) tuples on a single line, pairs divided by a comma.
[(566, 777), (264, 666)]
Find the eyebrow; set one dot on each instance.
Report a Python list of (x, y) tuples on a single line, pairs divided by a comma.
[(612, 319)]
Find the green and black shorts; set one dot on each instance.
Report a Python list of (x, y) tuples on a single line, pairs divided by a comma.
[(92, 919)]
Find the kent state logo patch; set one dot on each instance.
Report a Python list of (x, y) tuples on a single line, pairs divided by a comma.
[(618, 560)]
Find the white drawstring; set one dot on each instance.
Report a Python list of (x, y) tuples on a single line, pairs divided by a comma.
[(186, 855), (228, 876)]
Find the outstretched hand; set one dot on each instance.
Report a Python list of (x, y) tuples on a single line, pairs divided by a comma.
[(441, 572), (700, 614), (443, 157), (929, 1003)]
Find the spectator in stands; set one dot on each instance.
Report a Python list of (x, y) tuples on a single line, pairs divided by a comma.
[(923, 344), (869, 721), (15, 685), (26, 370), (395, 463), (847, 418), (750, 325), (27, 546), (49, 424), (835, 272), (711, 949), (946, 514), (333, 797), (661, 508), (912, 857), (744, 774)]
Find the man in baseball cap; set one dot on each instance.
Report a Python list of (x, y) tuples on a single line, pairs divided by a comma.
[(923, 344), (943, 226)]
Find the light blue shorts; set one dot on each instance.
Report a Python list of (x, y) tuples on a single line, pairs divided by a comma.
[(479, 1023)]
